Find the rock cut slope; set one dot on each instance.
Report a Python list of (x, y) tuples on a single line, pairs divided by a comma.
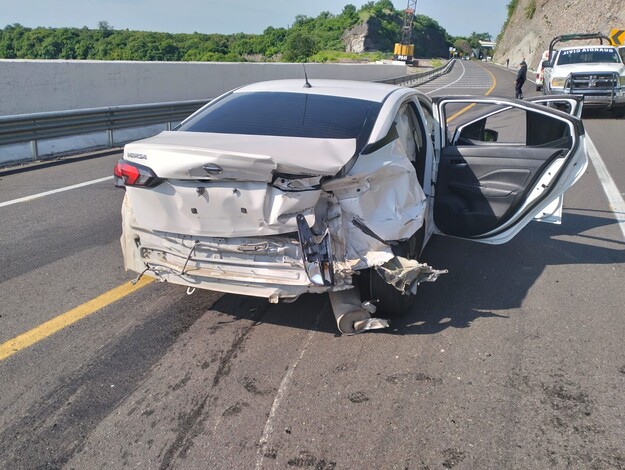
[(535, 22)]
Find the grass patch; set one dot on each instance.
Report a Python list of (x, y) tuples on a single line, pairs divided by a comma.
[(339, 56)]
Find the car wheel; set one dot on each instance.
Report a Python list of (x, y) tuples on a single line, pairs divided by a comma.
[(392, 303), (539, 88)]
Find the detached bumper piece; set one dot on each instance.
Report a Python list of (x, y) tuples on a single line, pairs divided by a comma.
[(316, 252), (406, 274)]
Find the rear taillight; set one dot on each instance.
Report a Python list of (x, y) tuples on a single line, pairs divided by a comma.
[(133, 174)]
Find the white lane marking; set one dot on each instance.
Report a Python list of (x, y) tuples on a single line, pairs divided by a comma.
[(54, 191), (452, 83), (268, 430), (617, 204)]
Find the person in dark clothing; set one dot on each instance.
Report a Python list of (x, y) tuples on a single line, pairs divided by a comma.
[(520, 80)]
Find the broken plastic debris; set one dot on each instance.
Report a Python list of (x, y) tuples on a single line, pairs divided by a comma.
[(368, 306), (370, 324), (406, 274)]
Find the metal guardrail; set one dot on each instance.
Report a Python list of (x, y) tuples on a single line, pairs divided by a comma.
[(38, 126), (31, 128), (417, 79)]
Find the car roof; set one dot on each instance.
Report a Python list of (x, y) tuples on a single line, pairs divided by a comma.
[(342, 88)]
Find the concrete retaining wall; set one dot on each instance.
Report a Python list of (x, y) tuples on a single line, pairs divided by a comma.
[(31, 86)]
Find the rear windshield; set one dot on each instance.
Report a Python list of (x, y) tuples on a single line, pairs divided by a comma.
[(287, 115), (587, 55)]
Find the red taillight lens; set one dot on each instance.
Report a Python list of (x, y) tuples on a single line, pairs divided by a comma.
[(132, 174)]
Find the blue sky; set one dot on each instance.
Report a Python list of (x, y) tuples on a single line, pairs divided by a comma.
[(458, 17)]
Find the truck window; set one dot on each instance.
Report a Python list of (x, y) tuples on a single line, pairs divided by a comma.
[(588, 55)]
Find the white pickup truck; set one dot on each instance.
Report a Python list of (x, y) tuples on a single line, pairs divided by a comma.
[(596, 72)]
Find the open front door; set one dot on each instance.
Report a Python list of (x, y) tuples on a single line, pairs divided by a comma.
[(502, 163)]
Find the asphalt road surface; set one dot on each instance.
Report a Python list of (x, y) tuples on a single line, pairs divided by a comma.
[(514, 359)]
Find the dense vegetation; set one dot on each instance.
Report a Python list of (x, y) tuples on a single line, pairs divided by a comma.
[(308, 39), (511, 8)]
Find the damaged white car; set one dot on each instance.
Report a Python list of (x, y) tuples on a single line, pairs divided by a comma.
[(281, 188)]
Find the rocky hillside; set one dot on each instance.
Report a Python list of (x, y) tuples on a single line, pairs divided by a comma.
[(535, 22), (428, 37), (366, 37)]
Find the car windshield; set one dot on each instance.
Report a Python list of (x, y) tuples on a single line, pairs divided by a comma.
[(287, 115), (588, 55)]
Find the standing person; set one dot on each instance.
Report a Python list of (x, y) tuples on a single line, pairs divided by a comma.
[(520, 80), (507, 62)]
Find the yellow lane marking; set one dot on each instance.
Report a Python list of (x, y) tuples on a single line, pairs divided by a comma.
[(466, 108), (66, 319), (490, 90), (462, 111)]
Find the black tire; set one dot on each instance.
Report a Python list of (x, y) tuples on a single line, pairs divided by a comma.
[(539, 88), (391, 303)]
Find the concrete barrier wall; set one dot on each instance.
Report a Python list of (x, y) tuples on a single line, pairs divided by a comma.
[(31, 86)]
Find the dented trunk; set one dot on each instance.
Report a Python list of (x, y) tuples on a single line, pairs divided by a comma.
[(224, 185)]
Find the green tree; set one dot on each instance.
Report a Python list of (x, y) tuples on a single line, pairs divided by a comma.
[(299, 46), (475, 38), (462, 46), (306, 38)]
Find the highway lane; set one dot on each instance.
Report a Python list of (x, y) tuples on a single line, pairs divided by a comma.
[(512, 360)]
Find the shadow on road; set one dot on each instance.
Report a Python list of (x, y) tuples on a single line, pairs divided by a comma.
[(483, 279)]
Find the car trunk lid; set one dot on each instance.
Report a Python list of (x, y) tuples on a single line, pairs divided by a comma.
[(196, 155), (224, 185)]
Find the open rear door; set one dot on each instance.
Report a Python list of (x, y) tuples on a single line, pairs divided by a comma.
[(570, 104), (502, 163)]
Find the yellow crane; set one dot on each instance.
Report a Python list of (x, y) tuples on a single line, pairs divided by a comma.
[(404, 50)]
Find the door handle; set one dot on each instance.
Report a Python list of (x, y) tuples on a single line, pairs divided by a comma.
[(458, 163)]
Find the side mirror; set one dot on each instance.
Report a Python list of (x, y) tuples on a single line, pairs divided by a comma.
[(546, 64), (490, 135)]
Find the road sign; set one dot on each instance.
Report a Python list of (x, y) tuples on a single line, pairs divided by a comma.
[(617, 36)]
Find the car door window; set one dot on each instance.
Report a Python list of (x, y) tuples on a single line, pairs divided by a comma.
[(505, 125)]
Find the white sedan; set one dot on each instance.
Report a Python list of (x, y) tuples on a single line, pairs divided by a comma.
[(281, 188)]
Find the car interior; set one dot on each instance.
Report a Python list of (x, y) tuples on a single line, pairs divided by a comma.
[(490, 166)]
